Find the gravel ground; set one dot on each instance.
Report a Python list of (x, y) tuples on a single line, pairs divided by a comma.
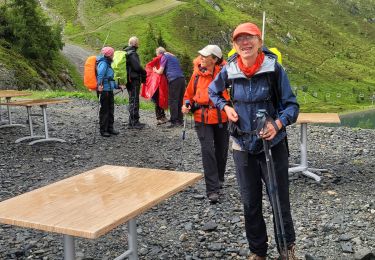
[(333, 219)]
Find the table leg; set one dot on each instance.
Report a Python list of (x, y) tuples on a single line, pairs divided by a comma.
[(132, 252), (303, 166), (69, 251), (32, 136), (47, 138), (10, 124), (1, 121)]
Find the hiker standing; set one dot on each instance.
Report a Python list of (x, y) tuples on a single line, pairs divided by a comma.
[(256, 77), (135, 76), (210, 121), (156, 87), (106, 85), (170, 66)]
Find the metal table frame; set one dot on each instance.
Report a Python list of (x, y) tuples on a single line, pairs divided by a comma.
[(303, 166), (40, 138), (131, 253), (8, 123)]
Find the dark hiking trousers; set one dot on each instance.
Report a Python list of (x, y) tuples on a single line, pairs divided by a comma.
[(133, 88), (176, 89), (106, 112), (159, 112), (250, 171), (214, 147)]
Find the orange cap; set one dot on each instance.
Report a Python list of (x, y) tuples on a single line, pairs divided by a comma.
[(248, 28)]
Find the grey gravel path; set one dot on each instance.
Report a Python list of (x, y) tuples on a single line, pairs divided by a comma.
[(334, 219)]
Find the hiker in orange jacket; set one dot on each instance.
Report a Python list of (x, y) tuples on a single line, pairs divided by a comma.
[(210, 121)]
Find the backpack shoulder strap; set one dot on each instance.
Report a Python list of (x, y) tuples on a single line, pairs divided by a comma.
[(272, 80), (196, 83)]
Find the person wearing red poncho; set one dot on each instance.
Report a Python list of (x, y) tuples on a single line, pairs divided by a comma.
[(156, 87)]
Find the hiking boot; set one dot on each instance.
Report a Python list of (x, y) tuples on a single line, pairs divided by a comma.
[(105, 134), (113, 132), (256, 257), (136, 125), (162, 121), (175, 124), (213, 197), (291, 253)]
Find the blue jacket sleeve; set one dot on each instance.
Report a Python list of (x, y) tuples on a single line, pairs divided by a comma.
[(216, 87), (289, 108), (101, 71)]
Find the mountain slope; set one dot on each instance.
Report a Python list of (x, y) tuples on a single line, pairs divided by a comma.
[(328, 47)]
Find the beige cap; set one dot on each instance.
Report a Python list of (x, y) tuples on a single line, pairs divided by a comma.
[(211, 50)]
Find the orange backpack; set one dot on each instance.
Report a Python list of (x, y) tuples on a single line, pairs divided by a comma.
[(89, 75)]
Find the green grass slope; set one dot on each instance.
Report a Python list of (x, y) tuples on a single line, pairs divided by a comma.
[(328, 47)]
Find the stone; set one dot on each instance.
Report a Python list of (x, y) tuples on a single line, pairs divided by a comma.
[(209, 226), (215, 246), (346, 247)]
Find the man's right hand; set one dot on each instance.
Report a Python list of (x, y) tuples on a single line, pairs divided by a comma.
[(231, 113), (100, 88)]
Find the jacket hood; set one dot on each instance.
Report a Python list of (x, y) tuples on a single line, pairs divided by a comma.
[(130, 49), (101, 58)]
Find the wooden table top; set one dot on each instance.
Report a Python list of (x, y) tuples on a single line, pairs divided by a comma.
[(94, 202), (36, 102), (13, 93), (318, 118)]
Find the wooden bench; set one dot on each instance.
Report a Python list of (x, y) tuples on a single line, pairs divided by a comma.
[(93, 203), (8, 95), (304, 119), (43, 103)]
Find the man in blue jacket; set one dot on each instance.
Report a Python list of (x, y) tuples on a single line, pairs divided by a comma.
[(258, 82), (106, 85), (170, 65)]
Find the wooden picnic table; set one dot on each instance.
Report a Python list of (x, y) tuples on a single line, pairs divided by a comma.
[(43, 103), (93, 203), (304, 119), (8, 95)]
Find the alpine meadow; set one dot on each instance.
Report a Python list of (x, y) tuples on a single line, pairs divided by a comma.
[(327, 47)]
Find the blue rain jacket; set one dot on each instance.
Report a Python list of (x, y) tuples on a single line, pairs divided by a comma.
[(252, 94), (105, 74)]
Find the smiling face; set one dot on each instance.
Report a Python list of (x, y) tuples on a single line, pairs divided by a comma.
[(208, 61), (247, 45)]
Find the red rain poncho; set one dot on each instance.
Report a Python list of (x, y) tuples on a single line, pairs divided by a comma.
[(155, 81)]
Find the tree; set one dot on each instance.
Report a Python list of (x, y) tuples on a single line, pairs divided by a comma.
[(5, 29), (186, 64), (150, 44), (33, 35)]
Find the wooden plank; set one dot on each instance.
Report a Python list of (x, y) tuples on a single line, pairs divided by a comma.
[(318, 118), (36, 102), (13, 93), (94, 202)]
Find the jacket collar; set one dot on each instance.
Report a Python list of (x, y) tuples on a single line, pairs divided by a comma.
[(234, 72)]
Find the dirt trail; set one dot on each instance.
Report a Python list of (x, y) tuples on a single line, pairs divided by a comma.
[(76, 55), (152, 8)]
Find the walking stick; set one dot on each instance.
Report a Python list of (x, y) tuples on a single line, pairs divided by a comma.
[(262, 118), (187, 103), (98, 94)]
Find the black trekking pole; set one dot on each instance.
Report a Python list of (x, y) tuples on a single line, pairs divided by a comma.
[(262, 118), (187, 103), (97, 121)]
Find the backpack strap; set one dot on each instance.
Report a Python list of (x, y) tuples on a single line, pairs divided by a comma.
[(195, 83)]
